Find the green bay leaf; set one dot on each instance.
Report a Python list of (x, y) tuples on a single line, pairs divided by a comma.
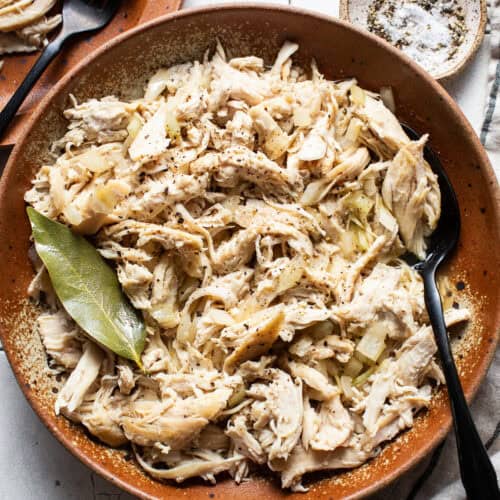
[(88, 288)]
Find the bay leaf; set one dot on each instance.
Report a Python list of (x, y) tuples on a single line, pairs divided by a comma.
[(88, 288)]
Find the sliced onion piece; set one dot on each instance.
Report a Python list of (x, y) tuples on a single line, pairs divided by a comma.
[(372, 343), (387, 96)]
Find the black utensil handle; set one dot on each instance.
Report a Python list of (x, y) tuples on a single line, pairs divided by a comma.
[(20, 94), (478, 475)]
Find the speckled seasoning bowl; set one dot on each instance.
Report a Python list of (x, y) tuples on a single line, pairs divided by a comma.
[(475, 16), (341, 50)]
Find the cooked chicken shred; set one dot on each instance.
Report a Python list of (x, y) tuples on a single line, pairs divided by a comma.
[(25, 24), (256, 216)]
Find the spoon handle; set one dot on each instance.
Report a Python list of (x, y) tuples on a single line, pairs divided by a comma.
[(477, 472), (10, 109)]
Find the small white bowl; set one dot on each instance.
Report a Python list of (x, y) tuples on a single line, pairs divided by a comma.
[(356, 12)]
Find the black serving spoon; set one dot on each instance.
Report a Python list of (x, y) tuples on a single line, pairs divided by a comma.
[(477, 472), (79, 16)]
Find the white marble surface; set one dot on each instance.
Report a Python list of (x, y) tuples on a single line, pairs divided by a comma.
[(33, 465)]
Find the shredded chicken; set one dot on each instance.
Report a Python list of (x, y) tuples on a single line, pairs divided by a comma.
[(255, 216), (29, 38), (24, 26)]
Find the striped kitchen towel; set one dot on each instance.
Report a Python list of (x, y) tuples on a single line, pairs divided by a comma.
[(490, 132)]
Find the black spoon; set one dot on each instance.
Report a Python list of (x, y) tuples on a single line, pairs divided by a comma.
[(477, 472)]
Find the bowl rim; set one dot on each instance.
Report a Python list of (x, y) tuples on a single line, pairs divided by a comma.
[(459, 66), (486, 168)]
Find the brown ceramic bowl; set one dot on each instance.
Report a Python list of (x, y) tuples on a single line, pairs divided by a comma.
[(121, 67)]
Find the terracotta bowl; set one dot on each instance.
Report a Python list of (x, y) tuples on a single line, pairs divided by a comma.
[(121, 67)]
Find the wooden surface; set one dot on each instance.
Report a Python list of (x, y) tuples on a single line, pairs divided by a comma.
[(131, 14)]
